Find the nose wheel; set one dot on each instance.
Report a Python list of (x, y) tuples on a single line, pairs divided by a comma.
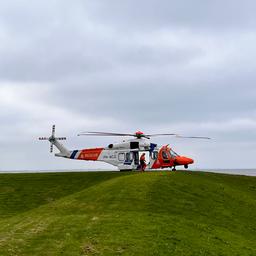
[(174, 169)]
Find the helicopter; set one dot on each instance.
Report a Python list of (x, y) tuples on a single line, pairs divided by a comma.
[(126, 154)]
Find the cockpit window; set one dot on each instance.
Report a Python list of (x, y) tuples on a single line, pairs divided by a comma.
[(173, 153), (164, 155)]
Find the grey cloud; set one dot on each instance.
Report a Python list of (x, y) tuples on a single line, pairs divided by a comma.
[(47, 42), (154, 14), (126, 65)]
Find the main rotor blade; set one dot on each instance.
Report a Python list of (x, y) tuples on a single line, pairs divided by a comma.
[(141, 135), (161, 134), (105, 134), (193, 137), (177, 136)]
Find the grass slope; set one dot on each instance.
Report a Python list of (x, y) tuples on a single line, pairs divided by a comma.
[(181, 213)]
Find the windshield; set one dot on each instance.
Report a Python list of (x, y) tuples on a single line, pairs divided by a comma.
[(173, 154)]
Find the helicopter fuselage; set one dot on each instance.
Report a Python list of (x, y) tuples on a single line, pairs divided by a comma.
[(126, 155)]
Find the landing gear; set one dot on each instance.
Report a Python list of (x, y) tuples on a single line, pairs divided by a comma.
[(186, 166), (173, 169)]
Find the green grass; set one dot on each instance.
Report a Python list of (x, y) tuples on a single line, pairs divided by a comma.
[(112, 213)]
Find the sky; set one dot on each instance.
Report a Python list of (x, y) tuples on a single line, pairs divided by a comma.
[(185, 67)]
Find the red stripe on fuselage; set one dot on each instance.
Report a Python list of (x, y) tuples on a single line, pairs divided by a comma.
[(90, 154)]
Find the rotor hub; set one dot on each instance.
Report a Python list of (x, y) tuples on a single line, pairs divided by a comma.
[(139, 134)]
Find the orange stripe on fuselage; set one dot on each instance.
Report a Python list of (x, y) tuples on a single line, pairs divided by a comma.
[(90, 154)]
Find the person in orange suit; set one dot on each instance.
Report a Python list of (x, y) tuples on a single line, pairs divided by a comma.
[(143, 162)]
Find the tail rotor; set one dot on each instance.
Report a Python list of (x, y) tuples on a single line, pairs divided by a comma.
[(52, 139)]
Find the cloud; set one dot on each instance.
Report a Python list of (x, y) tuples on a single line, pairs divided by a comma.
[(217, 15), (178, 66)]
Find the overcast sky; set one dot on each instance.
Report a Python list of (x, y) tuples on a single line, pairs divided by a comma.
[(186, 67)]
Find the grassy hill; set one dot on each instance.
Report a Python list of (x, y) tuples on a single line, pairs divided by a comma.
[(177, 213)]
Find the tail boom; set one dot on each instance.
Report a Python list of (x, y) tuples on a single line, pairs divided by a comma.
[(92, 154)]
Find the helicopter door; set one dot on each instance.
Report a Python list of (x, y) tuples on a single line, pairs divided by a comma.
[(136, 157)]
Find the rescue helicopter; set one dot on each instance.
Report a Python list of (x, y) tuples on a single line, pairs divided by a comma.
[(126, 154)]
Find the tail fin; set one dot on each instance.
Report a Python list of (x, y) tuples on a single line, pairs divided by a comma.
[(54, 142)]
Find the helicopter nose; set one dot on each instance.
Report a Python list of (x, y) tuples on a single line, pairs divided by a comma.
[(182, 160)]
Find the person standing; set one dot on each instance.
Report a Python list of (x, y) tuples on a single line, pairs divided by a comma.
[(143, 162)]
